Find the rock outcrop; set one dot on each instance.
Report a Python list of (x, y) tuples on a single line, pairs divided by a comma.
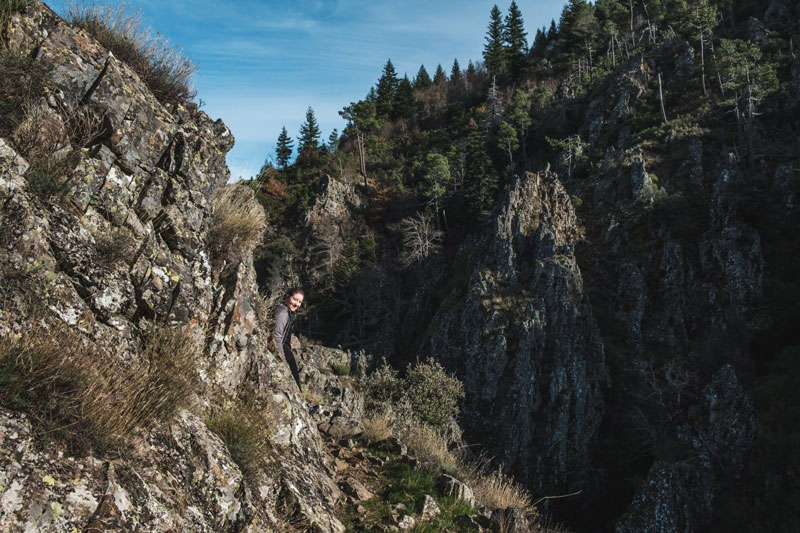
[(524, 340), (124, 246)]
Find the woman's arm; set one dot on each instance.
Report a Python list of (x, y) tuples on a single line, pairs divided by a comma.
[(281, 324)]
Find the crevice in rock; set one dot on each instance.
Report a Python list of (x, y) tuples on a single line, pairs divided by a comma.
[(88, 95)]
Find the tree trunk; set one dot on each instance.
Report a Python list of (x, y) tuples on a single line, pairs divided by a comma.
[(703, 62), (661, 98)]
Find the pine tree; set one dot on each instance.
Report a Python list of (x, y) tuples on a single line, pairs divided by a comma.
[(481, 182), (333, 141), (515, 40), (283, 151), (309, 134), (539, 43), (552, 33), (439, 77), (494, 52), (423, 80), (404, 102), (385, 91), (436, 176), (456, 81)]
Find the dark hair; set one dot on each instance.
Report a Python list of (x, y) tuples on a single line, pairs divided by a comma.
[(292, 291)]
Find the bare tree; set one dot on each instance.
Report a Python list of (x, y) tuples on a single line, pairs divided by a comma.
[(420, 238)]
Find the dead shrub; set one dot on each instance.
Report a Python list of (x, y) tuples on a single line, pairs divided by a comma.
[(73, 389), (162, 66), (245, 428), (238, 222)]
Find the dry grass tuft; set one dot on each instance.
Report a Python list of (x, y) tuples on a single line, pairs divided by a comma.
[(237, 225), (73, 389), (377, 427), (163, 67), (496, 490), (432, 448), (245, 429)]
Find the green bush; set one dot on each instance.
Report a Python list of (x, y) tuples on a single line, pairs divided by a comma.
[(432, 394), (341, 369), (427, 395), (381, 389)]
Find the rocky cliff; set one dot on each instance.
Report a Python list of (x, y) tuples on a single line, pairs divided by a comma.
[(522, 337), (147, 180)]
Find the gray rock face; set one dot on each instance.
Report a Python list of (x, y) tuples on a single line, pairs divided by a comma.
[(679, 496), (524, 340), (145, 194)]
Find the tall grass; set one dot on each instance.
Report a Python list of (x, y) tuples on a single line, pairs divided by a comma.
[(237, 225), (71, 388), (245, 429), (162, 66)]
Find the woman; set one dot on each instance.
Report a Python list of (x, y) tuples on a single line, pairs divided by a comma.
[(284, 315)]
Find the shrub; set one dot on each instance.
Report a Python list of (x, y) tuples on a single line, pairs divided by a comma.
[(432, 394), (77, 391), (237, 225), (245, 429), (381, 389), (341, 369), (163, 67)]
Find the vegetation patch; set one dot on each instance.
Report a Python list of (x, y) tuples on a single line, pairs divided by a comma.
[(162, 66), (74, 390), (245, 428), (238, 222)]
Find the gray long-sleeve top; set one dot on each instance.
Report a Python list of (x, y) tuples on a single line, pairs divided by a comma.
[(283, 328)]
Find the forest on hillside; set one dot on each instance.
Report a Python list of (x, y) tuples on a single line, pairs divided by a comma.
[(689, 91)]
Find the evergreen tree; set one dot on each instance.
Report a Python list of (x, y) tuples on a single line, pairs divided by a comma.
[(439, 77), (519, 117), (515, 40), (696, 20), (361, 118), (539, 43), (494, 52), (456, 81), (309, 134), (385, 92), (552, 33), (435, 177), (404, 102), (283, 152), (481, 182), (423, 80), (333, 141)]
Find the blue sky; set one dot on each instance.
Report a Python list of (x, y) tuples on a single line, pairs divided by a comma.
[(261, 64)]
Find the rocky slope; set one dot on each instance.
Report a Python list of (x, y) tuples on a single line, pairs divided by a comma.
[(148, 180)]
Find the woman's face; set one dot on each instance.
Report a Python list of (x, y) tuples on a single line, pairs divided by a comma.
[(294, 302)]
